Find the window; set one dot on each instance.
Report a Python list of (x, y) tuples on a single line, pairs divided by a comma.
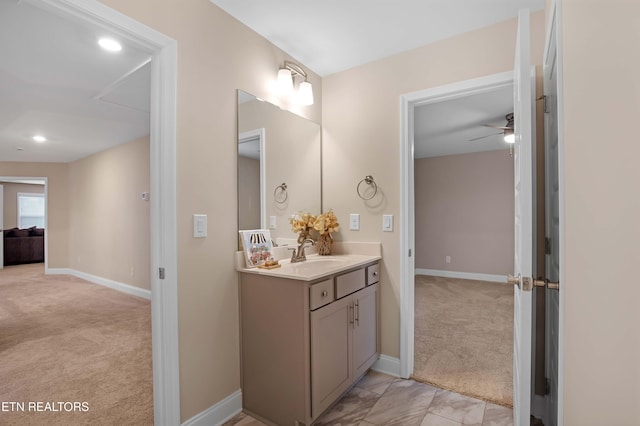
[(30, 210)]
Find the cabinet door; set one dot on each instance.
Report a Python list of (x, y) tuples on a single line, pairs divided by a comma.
[(365, 331), (330, 353)]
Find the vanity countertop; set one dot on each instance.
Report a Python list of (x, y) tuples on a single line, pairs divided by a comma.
[(315, 266)]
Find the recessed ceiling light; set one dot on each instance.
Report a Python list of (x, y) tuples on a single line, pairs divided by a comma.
[(39, 138), (19, 148), (110, 44)]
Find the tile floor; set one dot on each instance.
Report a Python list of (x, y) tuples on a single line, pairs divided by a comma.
[(378, 399)]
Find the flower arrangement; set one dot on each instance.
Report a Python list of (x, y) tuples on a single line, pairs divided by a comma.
[(326, 223), (302, 223)]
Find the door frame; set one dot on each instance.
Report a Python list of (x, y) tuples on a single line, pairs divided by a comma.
[(164, 292), (408, 102)]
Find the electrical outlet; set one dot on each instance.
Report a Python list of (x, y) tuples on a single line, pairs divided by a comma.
[(354, 222), (447, 259)]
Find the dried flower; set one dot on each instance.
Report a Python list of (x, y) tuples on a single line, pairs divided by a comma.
[(302, 221), (326, 223)]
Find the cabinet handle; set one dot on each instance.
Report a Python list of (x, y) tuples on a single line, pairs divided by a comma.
[(375, 274), (357, 313), (351, 314), (324, 293)]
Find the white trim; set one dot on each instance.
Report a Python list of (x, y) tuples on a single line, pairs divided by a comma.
[(462, 275), (218, 413), (105, 282), (387, 365), (407, 222), (164, 294)]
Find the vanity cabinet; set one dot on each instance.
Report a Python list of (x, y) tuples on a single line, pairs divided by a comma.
[(343, 345), (304, 343)]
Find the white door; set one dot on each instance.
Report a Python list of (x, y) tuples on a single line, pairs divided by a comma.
[(523, 250), (1, 226)]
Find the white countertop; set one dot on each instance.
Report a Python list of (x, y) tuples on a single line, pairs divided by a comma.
[(314, 267)]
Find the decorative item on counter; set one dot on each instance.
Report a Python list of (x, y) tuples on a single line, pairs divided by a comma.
[(257, 246), (270, 264), (326, 224), (302, 223)]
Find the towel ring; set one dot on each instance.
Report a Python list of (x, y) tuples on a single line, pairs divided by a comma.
[(369, 181), (280, 193)]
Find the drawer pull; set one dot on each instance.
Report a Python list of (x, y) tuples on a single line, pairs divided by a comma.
[(324, 293), (375, 274)]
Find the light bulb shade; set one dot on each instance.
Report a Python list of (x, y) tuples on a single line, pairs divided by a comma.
[(305, 93), (285, 82), (509, 136)]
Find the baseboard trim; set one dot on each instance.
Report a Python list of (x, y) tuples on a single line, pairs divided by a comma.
[(115, 285), (387, 365), (462, 275), (218, 413)]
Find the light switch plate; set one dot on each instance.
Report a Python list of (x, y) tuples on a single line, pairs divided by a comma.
[(354, 222), (199, 225), (387, 222), (272, 222)]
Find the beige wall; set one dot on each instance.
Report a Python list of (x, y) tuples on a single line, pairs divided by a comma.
[(57, 205), (602, 210), (11, 191), (109, 221), (464, 209), (216, 56), (361, 135)]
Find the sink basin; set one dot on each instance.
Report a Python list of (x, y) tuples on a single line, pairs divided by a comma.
[(317, 265)]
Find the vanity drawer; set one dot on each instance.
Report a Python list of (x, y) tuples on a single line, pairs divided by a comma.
[(373, 274), (348, 283), (320, 294)]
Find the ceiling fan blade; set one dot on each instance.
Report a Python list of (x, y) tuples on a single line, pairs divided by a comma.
[(493, 126), (482, 137)]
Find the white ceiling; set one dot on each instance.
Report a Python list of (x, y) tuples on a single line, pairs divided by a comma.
[(445, 128), (56, 81), (333, 35)]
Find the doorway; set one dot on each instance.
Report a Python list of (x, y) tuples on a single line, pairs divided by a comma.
[(164, 310), (464, 234)]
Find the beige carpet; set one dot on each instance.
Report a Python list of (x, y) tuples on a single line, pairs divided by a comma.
[(464, 337), (64, 340)]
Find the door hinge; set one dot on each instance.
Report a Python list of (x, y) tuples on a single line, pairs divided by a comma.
[(547, 245), (161, 273), (545, 102), (409, 252)]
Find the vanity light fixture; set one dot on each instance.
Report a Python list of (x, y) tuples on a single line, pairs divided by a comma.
[(39, 138), (110, 44), (509, 136), (286, 77)]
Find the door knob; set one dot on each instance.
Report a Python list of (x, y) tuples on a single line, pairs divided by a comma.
[(513, 280)]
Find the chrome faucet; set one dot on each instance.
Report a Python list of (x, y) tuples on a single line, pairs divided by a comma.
[(298, 255)]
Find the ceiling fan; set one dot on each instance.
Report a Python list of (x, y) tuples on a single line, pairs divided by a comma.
[(507, 130)]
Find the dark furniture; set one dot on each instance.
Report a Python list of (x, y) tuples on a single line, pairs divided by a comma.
[(23, 246)]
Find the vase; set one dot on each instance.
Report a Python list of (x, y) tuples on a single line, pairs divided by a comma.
[(325, 244)]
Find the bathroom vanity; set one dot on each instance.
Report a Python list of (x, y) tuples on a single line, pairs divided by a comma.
[(309, 330)]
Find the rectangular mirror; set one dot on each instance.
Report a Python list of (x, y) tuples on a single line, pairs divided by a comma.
[(279, 167)]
